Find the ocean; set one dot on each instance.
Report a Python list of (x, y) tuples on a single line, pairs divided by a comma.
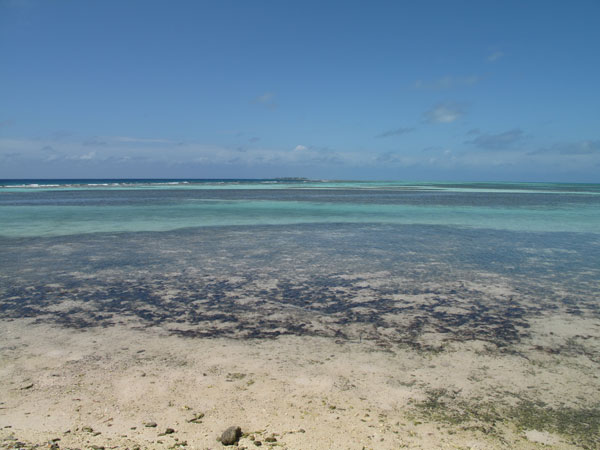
[(425, 267), (43, 208)]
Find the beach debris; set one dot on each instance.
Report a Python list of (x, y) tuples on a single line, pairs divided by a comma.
[(87, 429), (258, 443), (235, 376), (271, 438), (27, 386), (231, 435), (150, 424), (197, 418), (167, 431)]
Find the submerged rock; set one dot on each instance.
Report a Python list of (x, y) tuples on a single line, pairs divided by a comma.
[(231, 435)]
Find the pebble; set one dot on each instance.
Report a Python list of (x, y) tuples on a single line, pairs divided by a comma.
[(231, 435), (150, 425), (167, 431)]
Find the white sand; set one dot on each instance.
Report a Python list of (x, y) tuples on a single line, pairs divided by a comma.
[(310, 393)]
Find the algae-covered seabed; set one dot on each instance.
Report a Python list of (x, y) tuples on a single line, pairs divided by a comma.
[(322, 336)]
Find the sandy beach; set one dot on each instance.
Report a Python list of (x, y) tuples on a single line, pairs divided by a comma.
[(103, 386)]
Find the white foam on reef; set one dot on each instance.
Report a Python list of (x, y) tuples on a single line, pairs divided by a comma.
[(284, 183), (33, 185)]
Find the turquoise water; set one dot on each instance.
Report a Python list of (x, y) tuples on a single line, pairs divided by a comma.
[(31, 208)]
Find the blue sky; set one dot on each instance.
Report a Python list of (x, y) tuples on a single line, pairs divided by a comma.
[(428, 90)]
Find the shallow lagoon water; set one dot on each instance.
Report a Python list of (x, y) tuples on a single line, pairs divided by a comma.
[(143, 206)]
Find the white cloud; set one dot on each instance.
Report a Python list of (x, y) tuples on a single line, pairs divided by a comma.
[(495, 56), (444, 113), (586, 147), (396, 132), (26, 155), (500, 141), (136, 140), (88, 156), (265, 98)]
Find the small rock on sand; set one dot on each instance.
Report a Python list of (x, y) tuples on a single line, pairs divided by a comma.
[(167, 431), (231, 435)]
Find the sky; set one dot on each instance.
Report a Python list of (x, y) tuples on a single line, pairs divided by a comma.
[(398, 90)]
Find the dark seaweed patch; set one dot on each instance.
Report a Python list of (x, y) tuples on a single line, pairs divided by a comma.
[(321, 306), (350, 282)]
